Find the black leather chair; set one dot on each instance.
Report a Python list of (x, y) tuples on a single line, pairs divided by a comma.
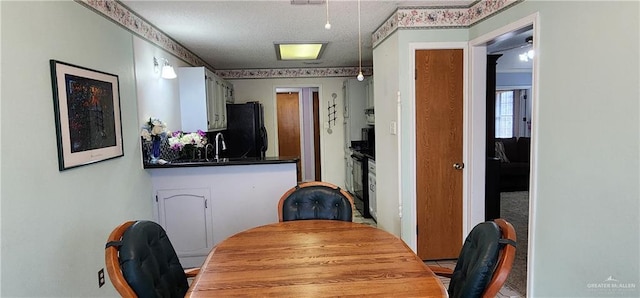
[(315, 200), (484, 262), (141, 262)]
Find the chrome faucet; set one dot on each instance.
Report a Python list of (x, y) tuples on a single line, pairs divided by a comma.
[(220, 140)]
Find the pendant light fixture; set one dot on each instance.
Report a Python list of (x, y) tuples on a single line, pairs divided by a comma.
[(327, 25), (360, 75)]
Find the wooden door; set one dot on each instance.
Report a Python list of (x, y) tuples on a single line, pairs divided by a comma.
[(289, 126), (439, 88)]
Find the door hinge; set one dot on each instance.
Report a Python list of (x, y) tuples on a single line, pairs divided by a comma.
[(415, 74), (417, 230), (205, 204)]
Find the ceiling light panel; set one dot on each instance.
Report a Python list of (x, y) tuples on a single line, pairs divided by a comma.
[(299, 51)]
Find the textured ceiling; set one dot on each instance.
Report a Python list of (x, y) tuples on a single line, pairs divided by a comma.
[(241, 34)]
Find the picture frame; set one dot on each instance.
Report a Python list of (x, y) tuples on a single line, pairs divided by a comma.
[(87, 115)]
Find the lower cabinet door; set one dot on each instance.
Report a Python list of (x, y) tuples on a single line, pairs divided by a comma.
[(372, 197), (186, 216)]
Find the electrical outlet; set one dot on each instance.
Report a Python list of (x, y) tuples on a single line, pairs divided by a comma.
[(100, 278)]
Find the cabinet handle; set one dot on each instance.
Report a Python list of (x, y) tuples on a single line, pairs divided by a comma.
[(205, 204)]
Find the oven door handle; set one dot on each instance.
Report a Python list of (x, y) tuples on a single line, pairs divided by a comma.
[(356, 157)]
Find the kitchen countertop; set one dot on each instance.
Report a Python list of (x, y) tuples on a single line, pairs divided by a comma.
[(222, 162), (363, 153)]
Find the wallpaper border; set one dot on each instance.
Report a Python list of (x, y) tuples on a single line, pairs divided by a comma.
[(403, 18)]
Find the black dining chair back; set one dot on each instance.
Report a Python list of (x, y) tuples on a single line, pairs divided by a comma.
[(315, 200), (141, 262), (484, 262)]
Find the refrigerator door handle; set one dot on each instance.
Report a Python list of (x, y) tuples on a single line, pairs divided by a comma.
[(265, 139)]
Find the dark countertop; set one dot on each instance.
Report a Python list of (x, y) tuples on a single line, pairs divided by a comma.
[(223, 162), (363, 153)]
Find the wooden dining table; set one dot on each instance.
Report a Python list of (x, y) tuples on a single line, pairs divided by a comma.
[(314, 258)]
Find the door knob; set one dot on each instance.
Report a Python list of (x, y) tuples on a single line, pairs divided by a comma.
[(458, 166)]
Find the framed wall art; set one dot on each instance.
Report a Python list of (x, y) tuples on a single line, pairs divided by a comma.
[(87, 113)]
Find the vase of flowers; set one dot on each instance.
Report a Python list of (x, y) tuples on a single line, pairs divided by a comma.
[(154, 131), (187, 143)]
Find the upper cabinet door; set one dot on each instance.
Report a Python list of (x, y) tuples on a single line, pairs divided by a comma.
[(202, 99), (221, 104), (212, 107), (193, 90), (370, 97)]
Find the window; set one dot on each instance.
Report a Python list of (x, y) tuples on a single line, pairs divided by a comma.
[(504, 114)]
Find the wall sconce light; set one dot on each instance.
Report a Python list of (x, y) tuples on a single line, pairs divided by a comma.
[(167, 71)]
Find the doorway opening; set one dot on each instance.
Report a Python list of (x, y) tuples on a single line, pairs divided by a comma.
[(298, 125), (509, 110)]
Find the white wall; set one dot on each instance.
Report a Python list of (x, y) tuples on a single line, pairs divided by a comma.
[(54, 224), (587, 200), (587, 146), (393, 73), (385, 84), (157, 97), (331, 145), (0, 166)]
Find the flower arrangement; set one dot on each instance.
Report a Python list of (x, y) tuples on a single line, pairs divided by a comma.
[(154, 129), (179, 140)]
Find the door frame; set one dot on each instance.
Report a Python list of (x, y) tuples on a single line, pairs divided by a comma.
[(299, 89), (409, 219), (478, 64)]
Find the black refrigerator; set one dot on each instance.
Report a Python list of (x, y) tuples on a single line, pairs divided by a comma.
[(246, 135)]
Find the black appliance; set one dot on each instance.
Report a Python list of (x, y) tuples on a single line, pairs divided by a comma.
[(361, 183), (369, 141), (246, 135)]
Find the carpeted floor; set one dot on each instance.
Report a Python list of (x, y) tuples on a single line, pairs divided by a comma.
[(514, 207)]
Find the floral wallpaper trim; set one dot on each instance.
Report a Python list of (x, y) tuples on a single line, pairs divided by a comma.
[(406, 18), (292, 73), (122, 15), (443, 17)]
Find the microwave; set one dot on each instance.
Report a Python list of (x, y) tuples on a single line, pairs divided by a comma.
[(370, 116)]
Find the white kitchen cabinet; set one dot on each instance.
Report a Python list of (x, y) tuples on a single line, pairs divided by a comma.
[(355, 97), (369, 87), (369, 110), (229, 94), (201, 206), (349, 171), (220, 117), (373, 210), (202, 99), (186, 216)]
